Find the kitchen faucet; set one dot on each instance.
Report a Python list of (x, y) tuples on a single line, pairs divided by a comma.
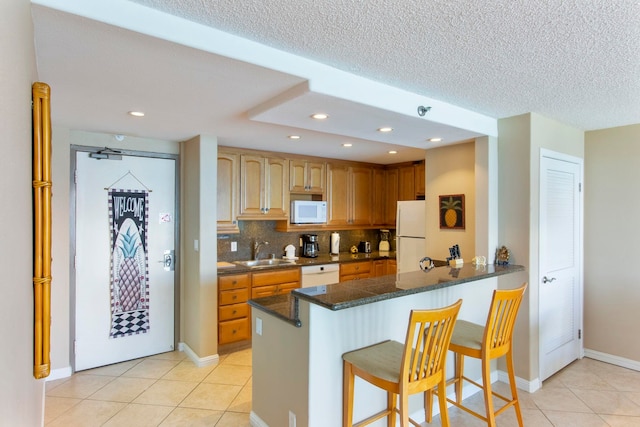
[(256, 248)]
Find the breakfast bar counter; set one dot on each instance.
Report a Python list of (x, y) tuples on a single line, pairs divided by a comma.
[(298, 339)]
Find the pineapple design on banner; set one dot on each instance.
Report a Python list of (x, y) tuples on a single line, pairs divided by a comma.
[(452, 211), (129, 219)]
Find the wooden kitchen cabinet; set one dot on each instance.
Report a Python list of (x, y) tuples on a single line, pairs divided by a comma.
[(274, 282), (264, 188), (227, 195), (382, 267), (234, 315), (306, 177), (355, 270), (406, 183), (420, 180), (391, 199), (349, 198)]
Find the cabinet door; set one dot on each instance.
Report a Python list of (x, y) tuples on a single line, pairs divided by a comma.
[(379, 268), (391, 202), (276, 186), (379, 194), (227, 195), (407, 183), (420, 179), (315, 177), (337, 194), (252, 176), (391, 267), (297, 176), (361, 197)]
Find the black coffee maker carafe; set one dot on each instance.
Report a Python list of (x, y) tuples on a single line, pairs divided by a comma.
[(310, 247)]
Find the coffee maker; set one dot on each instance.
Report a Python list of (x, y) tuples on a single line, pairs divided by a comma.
[(310, 247)]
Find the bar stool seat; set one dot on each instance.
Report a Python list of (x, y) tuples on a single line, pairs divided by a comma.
[(488, 342), (416, 366)]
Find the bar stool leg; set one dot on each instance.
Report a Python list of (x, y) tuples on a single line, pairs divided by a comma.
[(391, 406), (442, 401), (488, 397), (459, 372), (512, 385), (347, 395), (428, 404)]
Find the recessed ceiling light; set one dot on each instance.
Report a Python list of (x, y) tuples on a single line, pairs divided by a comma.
[(294, 136), (393, 152), (319, 116), (435, 139), (136, 113), (385, 129), (347, 144)]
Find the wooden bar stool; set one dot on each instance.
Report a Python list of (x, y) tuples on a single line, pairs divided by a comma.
[(486, 343), (416, 366)]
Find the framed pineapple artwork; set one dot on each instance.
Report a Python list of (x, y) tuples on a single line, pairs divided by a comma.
[(452, 211)]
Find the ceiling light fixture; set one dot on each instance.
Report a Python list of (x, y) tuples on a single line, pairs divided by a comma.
[(294, 137), (136, 113), (319, 116), (435, 139), (347, 144), (393, 152), (385, 129)]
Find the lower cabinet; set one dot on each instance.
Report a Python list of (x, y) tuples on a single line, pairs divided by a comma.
[(234, 314), (277, 282), (356, 270)]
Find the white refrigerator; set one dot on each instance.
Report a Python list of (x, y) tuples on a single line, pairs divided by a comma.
[(410, 235)]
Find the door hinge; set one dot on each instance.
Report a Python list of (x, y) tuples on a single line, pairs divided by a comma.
[(580, 187), (75, 176), (579, 333), (75, 347)]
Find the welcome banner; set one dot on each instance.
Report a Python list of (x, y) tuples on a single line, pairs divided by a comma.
[(128, 225)]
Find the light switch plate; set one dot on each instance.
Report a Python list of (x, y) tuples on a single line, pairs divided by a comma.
[(234, 246), (258, 326)]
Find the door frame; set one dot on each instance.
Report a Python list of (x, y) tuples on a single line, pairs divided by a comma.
[(544, 152), (75, 149)]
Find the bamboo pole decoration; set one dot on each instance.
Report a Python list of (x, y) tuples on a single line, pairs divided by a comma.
[(41, 229)]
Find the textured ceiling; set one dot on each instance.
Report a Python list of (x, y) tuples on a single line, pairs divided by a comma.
[(577, 61)]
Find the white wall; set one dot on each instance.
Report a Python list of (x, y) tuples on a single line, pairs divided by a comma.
[(21, 396), (611, 283)]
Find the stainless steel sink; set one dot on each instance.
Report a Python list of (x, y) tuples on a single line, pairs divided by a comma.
[(257, 263)]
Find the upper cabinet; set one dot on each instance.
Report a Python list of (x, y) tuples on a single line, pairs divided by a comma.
[(420, 180), (264, 192), (349, 197), (406, 183), (227, 200), (306, 177)]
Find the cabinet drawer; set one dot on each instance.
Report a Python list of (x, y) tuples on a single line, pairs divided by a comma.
[(263, 291), (355, 268), (275, 277), (344, 278), (234, 330), (233, 311), (233, 297), (285, 288), (237, 281)]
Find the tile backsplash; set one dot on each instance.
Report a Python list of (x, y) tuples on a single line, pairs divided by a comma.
[(264, 231)]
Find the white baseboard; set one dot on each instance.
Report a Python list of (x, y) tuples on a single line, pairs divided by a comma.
[(197, 360), (612, 359), (528, 386), (256, 421), (59, 373)]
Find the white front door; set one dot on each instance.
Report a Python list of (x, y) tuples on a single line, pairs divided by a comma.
[(560, 261), (124, 296)]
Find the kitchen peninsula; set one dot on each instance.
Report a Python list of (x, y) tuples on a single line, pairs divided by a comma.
[(298, 339)]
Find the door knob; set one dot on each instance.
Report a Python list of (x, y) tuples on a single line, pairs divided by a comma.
[(547, 280)]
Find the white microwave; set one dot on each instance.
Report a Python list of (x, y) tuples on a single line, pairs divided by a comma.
[(308, 212)]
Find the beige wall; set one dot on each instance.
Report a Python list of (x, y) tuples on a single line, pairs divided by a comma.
[(61, 310), (21, 396), (450, 170), (198, 267), (612, 201), (519, 144)]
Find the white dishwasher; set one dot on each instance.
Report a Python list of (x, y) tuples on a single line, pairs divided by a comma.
[(323, 274)]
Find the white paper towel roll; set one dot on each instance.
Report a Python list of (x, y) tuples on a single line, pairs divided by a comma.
[(335, 243)]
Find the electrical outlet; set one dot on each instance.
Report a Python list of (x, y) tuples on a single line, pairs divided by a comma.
[(292, 419), (234, 246), (258, 326)]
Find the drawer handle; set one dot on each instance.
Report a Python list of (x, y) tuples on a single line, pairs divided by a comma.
[(234, 282), (234, 312), (234, 297), (234, 331)]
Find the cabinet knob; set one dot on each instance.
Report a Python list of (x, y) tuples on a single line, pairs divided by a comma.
[(234, 331), (234, 297), (234, 312), (235, 282)]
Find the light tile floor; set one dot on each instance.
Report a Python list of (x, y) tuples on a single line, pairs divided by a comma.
[(169, 390)]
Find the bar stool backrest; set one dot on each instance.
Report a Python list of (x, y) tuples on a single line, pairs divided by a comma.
[(498, 332)]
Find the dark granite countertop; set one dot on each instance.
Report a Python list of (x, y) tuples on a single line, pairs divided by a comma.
[(354, 293), (343, 257)]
